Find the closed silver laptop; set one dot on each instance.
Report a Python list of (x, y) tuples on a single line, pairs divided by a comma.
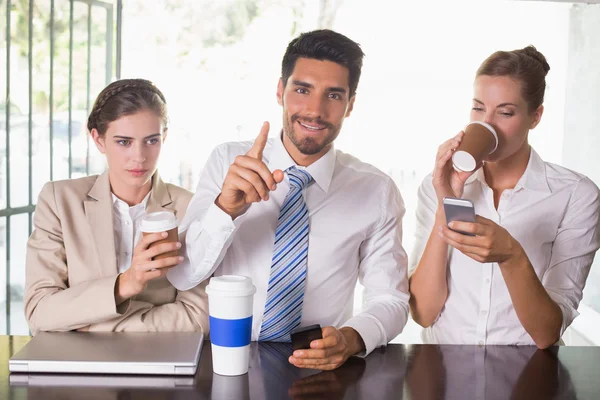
[(101, 381), (173, 353)]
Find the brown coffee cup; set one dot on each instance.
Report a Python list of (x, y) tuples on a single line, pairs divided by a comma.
[(162, 221), (480, 140)]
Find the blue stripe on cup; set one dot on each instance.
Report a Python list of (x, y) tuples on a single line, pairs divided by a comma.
[(230, 332)]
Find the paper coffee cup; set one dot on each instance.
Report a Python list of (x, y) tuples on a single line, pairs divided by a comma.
[(230, 300), (480, 140), (162, 221)]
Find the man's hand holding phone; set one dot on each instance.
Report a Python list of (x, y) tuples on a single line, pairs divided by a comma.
[(328, 353), (248, 179)]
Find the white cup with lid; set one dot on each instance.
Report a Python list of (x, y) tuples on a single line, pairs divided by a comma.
[(230, 302), (161, 221)]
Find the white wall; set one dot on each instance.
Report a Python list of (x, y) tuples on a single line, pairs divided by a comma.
[(581, 143)]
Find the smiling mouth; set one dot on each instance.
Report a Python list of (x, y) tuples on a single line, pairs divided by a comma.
[(314, 128)]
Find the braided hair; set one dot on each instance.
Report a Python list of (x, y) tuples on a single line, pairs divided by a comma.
[(126, 97)]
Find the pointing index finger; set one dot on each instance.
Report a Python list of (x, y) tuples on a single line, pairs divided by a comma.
[(260, 142)]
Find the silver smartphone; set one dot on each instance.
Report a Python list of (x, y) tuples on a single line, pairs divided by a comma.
[(459, 210)]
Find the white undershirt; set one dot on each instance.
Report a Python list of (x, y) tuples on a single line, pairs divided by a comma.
[(126, 222)]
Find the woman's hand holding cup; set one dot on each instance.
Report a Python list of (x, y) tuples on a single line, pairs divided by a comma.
[(447, 181), (157, 251), (460, 157)]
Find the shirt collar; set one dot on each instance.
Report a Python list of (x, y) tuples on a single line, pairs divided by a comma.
[(534, 178), (118, 203), (321, 170)]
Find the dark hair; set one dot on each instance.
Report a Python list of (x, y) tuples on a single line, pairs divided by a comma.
[(324, 45), (527, 65), (126, 97)]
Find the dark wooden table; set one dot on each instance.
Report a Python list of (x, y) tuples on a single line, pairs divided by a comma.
[(395, 372)]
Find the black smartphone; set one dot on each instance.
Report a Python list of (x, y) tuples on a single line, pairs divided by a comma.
[(301, 337), (459, 210)]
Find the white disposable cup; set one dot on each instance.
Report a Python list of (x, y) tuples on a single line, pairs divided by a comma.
[(230, 301), (161, 221)]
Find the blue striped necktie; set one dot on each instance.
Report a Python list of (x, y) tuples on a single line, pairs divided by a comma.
[(283, 309)]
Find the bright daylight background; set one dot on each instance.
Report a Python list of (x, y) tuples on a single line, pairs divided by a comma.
[(218, 63)]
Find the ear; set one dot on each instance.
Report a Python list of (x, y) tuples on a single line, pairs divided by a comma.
[(537, 116), (280, 88), (350, 106), (99, 140), (164, 134)]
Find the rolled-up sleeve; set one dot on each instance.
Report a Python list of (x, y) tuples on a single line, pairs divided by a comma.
[(573, 250), (383, 273)]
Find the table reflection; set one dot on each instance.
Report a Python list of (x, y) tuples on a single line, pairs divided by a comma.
[(420, 372), (494, 372)]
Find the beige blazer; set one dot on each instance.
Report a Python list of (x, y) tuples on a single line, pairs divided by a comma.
[(71, 265)]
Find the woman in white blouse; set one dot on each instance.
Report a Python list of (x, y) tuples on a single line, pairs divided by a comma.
[(87, 268), (519, 280)]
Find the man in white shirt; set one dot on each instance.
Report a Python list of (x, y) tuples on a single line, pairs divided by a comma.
[(304, 220)]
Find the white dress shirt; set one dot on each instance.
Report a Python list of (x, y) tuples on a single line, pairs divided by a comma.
[(126, 221), (554, 214), (355, 216)]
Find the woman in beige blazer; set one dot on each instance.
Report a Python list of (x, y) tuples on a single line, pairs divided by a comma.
[(82, 270)]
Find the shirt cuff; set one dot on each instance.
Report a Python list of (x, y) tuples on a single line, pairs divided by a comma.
[(369, 331), (218, 222)]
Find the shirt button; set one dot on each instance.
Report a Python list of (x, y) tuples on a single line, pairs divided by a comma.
[(126, 253), (487, 280), (480, 343), (127, 222), (483, 312)]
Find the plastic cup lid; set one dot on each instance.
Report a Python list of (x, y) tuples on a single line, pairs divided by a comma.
[(463, 161), (231, 285), (491, 129), (158, 222)]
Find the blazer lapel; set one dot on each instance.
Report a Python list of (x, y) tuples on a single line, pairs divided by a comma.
[(160, 198), (98, 211)]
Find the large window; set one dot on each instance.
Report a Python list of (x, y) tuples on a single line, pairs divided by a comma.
[(55, 56)]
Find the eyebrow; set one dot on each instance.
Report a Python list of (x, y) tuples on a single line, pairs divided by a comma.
[(129, 137), (499, 105), (309, 86)]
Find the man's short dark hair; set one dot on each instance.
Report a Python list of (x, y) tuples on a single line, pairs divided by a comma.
[(324, 45)]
